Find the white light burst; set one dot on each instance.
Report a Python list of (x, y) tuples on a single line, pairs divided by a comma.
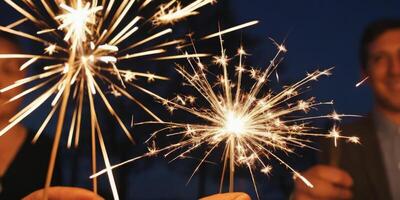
[(248, 122)]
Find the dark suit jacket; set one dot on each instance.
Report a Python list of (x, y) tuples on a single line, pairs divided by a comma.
[(364, 162)]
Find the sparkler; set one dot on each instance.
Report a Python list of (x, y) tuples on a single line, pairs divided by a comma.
[(85, 40), (249, 124)]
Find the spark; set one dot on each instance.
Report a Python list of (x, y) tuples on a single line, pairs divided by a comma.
[(51, 49), (266, 170), (84, 43), (173, 11), (248, 124), (251, 23), (362, 81), (335, 134)]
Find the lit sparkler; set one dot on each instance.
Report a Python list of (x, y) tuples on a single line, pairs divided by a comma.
[(249, 125), (85, 40)]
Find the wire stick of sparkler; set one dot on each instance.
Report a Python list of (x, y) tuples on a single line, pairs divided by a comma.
[(60, 123), (232, 165)]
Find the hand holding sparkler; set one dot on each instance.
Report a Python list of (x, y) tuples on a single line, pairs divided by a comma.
[(228, 196), (64, 193), (330, 183)]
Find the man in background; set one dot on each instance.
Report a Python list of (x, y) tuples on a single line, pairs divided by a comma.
[(370, 170)]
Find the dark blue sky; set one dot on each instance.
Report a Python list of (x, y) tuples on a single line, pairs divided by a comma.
[(319, 34)]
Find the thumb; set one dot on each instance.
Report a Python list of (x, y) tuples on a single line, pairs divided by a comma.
[(64, 193), (228, 196)]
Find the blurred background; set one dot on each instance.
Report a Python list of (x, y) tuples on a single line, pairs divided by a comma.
[(318, 34)]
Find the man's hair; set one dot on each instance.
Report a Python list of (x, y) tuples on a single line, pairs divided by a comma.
[(371, 33)]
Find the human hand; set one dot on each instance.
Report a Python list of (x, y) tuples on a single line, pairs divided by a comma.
[(329, 183), (64, 193), (228, 196)]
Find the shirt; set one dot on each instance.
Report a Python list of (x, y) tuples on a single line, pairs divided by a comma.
[(389, 141)]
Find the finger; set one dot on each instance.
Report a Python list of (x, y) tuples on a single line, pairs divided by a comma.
[(64, 193), (228, 196), (334, 175)]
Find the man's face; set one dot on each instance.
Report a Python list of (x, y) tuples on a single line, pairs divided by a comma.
[(384, 69), (9, 73)]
